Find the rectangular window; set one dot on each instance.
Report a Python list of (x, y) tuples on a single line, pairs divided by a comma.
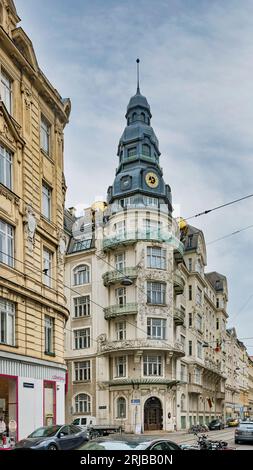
[(199, 322), (152, 365), (46, 201), (190, 318), (120, 330), (199, 349), (7, 322), (47, 267), (5, 167), (120, 261), (156, 257), (189, 244), (190, 292), (156, 293), (82, 306), (182, 341), (131, 152), (190, 264), (152, 228), (190, 348), (120, 366), (183, 376), (45, 129), (49, 335), (120, 295), (6, 90), (217, 303), (6, 243), (198, 376), (199, 296), (156, 328), (217, 324), (82, 338), (120, 228), (82, 371)]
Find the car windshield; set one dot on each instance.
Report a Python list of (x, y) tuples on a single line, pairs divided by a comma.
[(110, 445), (246, 425), (76, 421), (45, 432)]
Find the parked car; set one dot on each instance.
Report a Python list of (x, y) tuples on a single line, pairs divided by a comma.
[(84, 421), (135, 443), (215, 424), (58, 437), (244, 432), (232, 422)]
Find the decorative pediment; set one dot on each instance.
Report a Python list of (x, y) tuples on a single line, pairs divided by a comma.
[(24, 45), (9, 132)]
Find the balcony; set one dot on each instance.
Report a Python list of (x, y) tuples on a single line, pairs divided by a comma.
[(195, 388), (213, 367), (131, 237), (117, 310), (114, 277), (179, 316), (107, 347), (178, 282)]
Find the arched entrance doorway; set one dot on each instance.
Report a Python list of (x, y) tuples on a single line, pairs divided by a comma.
[(153, 415)]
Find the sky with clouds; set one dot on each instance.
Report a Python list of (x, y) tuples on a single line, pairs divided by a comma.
[(196, 72)]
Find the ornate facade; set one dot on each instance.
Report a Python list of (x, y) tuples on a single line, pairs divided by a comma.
[(32, 192)]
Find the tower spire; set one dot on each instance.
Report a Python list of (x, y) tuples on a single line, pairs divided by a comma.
[(138, 77)]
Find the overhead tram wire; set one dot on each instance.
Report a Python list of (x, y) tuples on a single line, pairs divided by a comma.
[(230, 234), (207, 211)]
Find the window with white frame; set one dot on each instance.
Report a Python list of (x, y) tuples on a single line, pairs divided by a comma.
[(7, 322), (183, 373), (197, 375), (152, 228), (82, 403), (82, 306), (156, 328), (46, 201), (120, 330), (47, 267), (82, 338), (120, 261), (81, 275), (121, 408), (199, 349), (182, 341), (49, 335), (199, 322), (45, 130), (120, 366), (6, 90), (156, 257), (120, 228), (82, 371), (156, 292), (6, 243), (120, 295), (5, 167), (199, 296), (152, 365)]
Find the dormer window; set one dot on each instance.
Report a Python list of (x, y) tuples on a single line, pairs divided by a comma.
[(146, 150), (142, 117), (131, 152), (134, 118)]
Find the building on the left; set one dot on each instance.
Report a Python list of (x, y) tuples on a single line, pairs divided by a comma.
[(32, 241)]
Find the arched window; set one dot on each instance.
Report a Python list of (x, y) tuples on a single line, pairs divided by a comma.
[(146, 150), (81, 275), (134, 118), (182, 402), (143, 117), (121, 407), (82, 403)]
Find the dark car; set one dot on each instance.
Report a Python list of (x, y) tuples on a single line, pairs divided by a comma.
[(244, 432), (58, 437), (130, 444), (215, 424)]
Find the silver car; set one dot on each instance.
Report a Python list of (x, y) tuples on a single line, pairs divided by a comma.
[(244, 432)]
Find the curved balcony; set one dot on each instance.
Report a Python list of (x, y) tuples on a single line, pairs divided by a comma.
[(195, 388), (131, 237), (108, 347), (179, 283), (114, 277), (179, 316), (117, 310)]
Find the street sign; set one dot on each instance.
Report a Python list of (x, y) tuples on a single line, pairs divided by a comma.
[(136, 401)]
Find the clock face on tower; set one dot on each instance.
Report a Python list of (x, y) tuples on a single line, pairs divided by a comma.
[(152, 179)]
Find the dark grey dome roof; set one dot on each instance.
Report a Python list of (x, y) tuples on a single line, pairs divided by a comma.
[(138, 100)]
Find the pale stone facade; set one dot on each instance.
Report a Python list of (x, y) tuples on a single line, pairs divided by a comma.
[(32, 192)]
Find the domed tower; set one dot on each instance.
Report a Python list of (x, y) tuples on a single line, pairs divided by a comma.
[(138, 351)]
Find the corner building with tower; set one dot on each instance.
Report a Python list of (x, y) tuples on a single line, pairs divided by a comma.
[(142, 307)]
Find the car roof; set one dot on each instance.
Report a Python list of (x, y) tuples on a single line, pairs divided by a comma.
[(135, 440)]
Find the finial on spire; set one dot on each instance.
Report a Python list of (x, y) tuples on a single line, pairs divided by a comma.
[(138, 76)]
